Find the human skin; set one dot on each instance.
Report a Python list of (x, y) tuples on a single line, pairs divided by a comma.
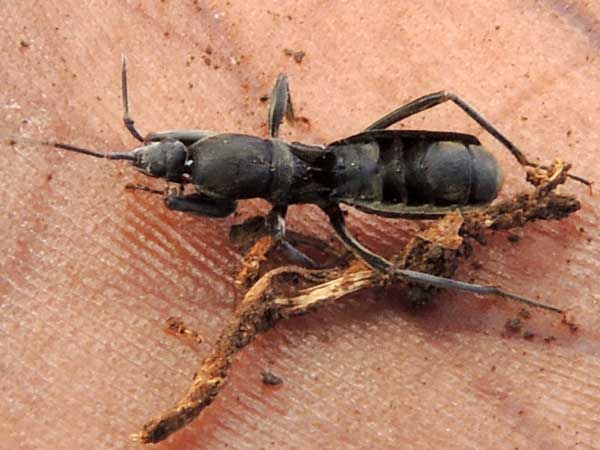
[(90, 271)]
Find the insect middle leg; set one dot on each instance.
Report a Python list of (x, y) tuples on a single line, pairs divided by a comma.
[(276, 226), (253, 258)]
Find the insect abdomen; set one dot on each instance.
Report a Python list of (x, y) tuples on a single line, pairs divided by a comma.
[(439, 173)]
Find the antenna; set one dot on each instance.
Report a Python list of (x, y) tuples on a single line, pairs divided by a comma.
[(131, 156)]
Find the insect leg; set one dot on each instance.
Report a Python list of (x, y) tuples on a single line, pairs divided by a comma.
[(336, 217), (276, 226), (127, 120), (200, 204), (379, 263), (279, 105), (431, 100)]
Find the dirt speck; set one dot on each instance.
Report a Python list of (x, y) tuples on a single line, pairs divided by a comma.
[(514, 238), (270, 379), (298, 56), (528, 335), (524, 314), (513, 325), (175, 326), (569, 321)]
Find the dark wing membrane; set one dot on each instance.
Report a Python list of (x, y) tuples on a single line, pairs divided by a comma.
[(466, 139), (405, 211)]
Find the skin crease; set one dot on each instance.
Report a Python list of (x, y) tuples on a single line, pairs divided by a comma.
[(90, 271)]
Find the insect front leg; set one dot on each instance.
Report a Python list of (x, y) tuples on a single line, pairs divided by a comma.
[(187, 137), (280, 105), (336, 217), (200, 204)]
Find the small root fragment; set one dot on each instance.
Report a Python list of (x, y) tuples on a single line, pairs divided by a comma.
[(253, 260), (254, 315), (141, 187), (444, 233)]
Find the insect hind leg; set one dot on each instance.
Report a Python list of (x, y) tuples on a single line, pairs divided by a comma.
[(437, 98), (380, 264), (431, 100)]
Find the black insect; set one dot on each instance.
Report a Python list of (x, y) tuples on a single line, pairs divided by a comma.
[(394, 173)]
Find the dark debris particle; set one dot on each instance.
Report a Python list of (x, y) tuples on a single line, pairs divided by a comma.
[(513, 325), (264, 98), (297, 55), (528, 335), (24, 43), (549, 339), (524, 314), (270, 379), (476, 265), (419, 297), (569, 321), (513, 238)]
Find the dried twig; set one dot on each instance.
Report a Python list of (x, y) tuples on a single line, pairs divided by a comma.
[(436, 251)]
